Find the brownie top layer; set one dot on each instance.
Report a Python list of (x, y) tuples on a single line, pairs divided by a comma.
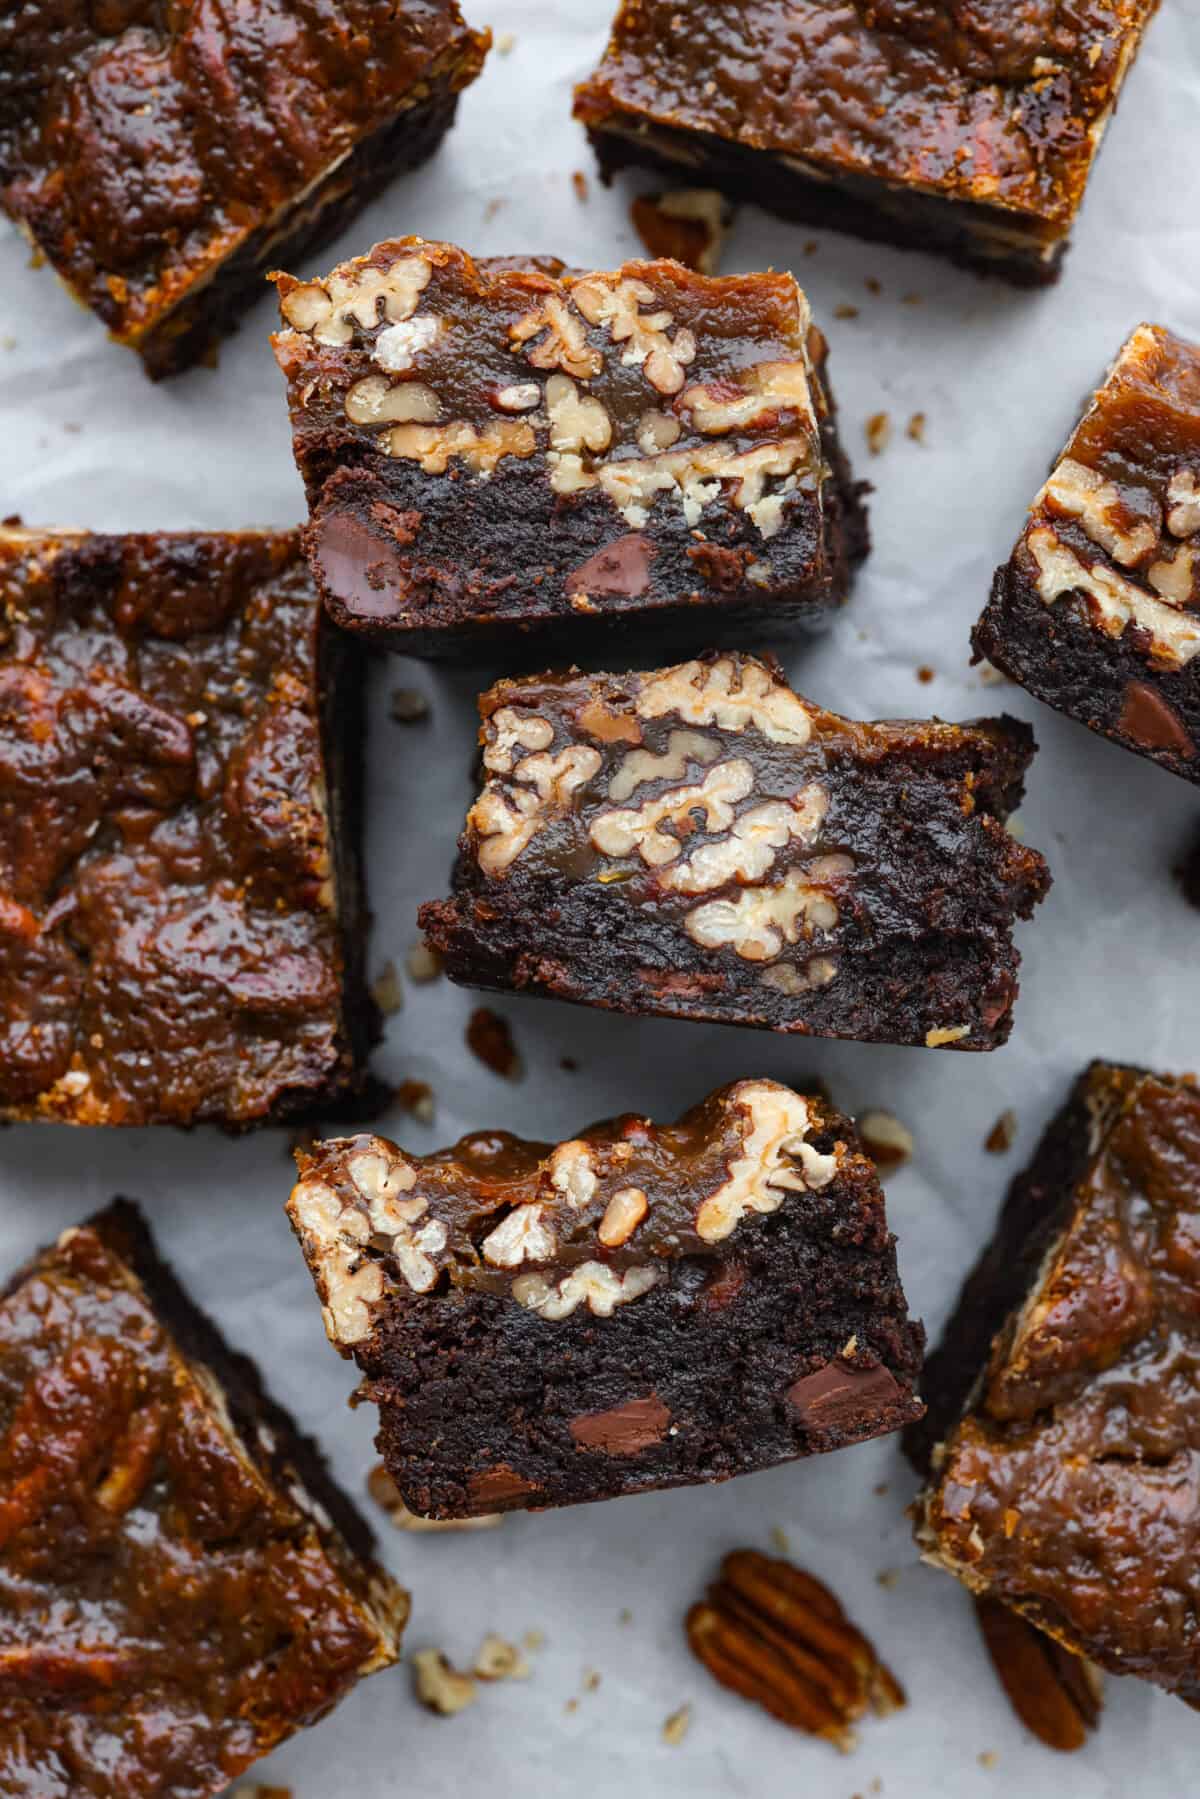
[(142, 143), (169, 941), (1118, 521), (593, 1221), (174, 1603), (649, 384), (714, 796), (1069, 1487), (999, 103)]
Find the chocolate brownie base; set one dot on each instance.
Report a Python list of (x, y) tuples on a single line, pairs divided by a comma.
[(639, 1308), (134, 1446), (1064, 1425), (511, 452), (886, 917)]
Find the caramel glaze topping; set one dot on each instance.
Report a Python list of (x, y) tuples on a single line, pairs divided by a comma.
[(1071, 1487)]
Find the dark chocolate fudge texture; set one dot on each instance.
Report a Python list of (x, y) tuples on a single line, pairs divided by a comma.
[(184, 1586), (970, 130), (1063, 1433), (701, 842), (1097, 611), (496, 451), (161, 157), (639, 1307), (181, 916)]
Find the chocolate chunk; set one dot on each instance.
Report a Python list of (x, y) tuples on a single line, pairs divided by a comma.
[(500, 1485), (1152, 722), (625, 1429), (839, 1394), (622, 566), (357, 567)]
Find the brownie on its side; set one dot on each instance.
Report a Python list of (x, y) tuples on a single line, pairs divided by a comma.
[(161, 158), (700, 842), (970, 130), (1097, 611), (641, 1307), (181, 917), (1063, 1433), (494, 450), (184, 1586)]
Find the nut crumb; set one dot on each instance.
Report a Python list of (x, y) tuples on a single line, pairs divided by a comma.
[(882, 1488), (385, 1492), (888, 1142), (1003, 1133), (591, 1680), (845, 311), (688, 223), (505, 42), (572, 1705), (878, 432), (490, 1039), (872, 285), (916, 427), (987, 1758), (579, 182), (779, 1540), (408, 705), (991, 676), (439, 1687), (386, 990), (676, 1727), (498, 1659), (811, 247), (888, 1578), (422, 963), (533, 1640), (261, 1792), (568, 1064), (416, 1098), (925, 674)]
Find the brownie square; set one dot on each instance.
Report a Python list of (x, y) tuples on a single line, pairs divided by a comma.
[(184, 1587), (161, 157), (639, 1307), (181, 917), (701, 842), (1063, 1433), (1097, 611), (495, 451), (970, 130)]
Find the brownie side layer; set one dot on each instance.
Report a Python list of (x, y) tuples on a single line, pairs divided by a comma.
[(974, 237)]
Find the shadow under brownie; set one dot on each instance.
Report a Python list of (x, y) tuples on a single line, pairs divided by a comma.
[(184, 1586), (1063, 1433), (161, 157), (496, 451), (181, 915), (700, 842), (639, 1307), (969, 130), (1097, 611)]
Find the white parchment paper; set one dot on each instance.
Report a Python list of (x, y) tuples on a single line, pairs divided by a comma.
[(1110, 961)]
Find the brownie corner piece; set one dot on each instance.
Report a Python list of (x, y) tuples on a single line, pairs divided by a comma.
[(185, 1587), (904, 124), (496, 451), (160, 158), (181, 914), (541, 1325), (701, 842), (1063, 1429), (1097, 611)]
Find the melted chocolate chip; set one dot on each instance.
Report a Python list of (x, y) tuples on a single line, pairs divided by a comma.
[(359, 568), (624, 1429), (1152, 723), (839, 1395), (620, 567)]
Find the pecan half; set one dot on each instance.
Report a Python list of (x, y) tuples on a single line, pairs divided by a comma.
[(1055, 1694), (775, 1635)]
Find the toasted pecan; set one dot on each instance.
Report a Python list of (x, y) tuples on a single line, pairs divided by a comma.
[(777, 1636), (1055, 1694)]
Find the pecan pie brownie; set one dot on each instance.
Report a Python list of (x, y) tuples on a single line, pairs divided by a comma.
[(161, 157), (970, 129), (183, 1584), (499, 450), (1097, 611), (700, 842), (1063, 1435), (181, 916), (540, 1325)]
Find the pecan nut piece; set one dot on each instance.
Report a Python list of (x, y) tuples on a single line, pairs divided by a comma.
[(1055, 1694), (777, 1636)]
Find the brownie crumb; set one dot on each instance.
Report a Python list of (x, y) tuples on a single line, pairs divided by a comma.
[(490, 1039), (409, 706), (1003, 1134), (872, 285), (925, 674), (579, 182), (569, 1065), (916, 427), (845, 312)]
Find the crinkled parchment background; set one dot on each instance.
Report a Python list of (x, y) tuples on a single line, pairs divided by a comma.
[(1110, 962)]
